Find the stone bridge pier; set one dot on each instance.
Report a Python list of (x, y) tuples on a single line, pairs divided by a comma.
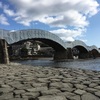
[(4, 58), (60, 55), (94, 54), (63, 54), (83, 55), (70, 53)]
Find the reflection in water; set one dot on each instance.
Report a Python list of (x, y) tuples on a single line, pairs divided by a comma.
[(93, 64)]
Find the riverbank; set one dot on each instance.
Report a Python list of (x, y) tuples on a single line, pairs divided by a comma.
[(21, 82)]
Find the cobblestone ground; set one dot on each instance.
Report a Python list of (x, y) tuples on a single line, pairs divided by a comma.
[(20, 82)]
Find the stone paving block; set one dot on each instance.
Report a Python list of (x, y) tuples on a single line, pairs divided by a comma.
[(80, 86), (66, 94), (56, 84), (4, 86), (52, 98), (76, 97), (79, 92), (16, 84), (37, 89), (16, 92), (96, 81), (65, 80), (67, 89), (50, 92), (93, 85), (67, 85), (6, 96), (32, 95), (55, 80), (76, 81), (43, 80), (91, 90), (6, 90), (86, 83), (89, 96), (97, 87), (97, 93), (39, 84)]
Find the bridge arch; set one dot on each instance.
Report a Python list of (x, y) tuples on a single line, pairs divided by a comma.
[(36, 34), (94, 51), (93, 47), (81, 47), (77, 43)]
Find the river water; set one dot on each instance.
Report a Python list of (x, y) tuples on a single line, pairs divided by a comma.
[(90, 64)]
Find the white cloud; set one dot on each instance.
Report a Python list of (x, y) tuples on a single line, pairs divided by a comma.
[(8, 11), (56, 12), (68, 34), (50, 20), (12, 30), (68, 38), (3, 20), (84, 40)]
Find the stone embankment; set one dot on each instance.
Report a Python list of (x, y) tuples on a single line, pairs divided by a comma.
[(20, 82)]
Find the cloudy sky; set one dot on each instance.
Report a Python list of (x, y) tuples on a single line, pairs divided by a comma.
[(69, 19)]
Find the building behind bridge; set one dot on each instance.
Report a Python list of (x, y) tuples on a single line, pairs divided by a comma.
[(31, 48)]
